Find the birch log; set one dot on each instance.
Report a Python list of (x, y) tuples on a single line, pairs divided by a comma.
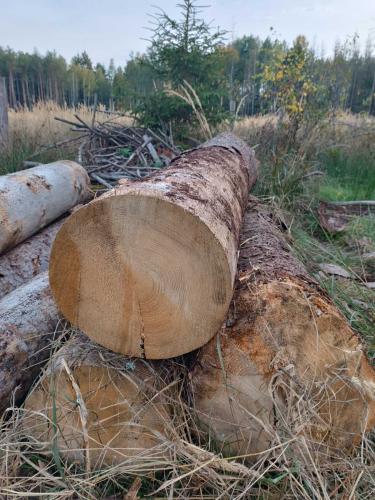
[(287, 363), (148, 269), (107, 407), (23, 262), (31, 199), (28, 320)]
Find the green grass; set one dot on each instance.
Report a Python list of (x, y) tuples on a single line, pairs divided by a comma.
[(351, 296), (349, 176)]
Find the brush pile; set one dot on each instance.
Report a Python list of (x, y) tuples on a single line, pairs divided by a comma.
[(196, 334), (111, 151)]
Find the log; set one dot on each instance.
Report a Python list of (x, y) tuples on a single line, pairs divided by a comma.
[(287, 363), (334, 217), (23, 262), (98, 407), (28, 322), (31, 199), (148, 269)]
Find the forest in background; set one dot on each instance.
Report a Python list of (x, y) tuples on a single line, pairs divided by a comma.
[(247, 76)]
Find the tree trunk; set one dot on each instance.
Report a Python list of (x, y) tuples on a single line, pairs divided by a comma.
[(148, 269), (28, 321), (20, 264), (3, 114), (287, 364), (108, 407), (31, 199)]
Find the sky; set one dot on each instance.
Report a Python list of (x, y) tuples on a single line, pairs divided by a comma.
[(117, 28)]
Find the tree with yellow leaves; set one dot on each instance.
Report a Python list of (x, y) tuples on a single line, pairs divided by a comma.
[(288, 83)]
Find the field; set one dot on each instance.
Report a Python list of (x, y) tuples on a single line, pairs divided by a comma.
[(330, 160)]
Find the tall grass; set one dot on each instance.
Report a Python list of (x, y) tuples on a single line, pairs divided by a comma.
[(30, 131)]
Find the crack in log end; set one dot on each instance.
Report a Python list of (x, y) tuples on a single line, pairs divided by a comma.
[(142, 346)]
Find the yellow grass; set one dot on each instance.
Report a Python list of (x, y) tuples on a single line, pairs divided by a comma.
[(30, 131), (39, 127)]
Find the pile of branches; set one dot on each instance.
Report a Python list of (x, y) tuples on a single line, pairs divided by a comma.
[(110, 151)]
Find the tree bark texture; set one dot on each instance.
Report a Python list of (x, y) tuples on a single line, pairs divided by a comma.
[(28, 323), (23, 262)]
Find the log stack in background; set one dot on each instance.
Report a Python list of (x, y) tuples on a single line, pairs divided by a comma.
[(148, 269)]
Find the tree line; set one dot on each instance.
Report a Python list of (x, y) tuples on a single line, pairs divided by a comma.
[(245, 77)]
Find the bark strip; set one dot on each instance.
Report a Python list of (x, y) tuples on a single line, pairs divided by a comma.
[(31, 257)]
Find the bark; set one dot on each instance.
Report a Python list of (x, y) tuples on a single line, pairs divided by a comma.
[(107, 407), (31, 199), (334, 217), (287, 363), (148, 269), (22, 263), (28, 321)]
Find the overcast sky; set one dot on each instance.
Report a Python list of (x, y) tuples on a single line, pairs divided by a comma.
[(115, 28)]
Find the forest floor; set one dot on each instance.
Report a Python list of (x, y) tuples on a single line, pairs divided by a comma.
[(332, 160)]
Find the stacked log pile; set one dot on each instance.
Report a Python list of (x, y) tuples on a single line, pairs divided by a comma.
[(29, 319), (147, 272)]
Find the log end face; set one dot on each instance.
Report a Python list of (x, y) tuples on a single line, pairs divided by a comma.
[(141, 276), (107, 416)]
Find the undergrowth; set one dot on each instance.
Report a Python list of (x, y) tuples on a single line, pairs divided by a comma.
[(331, 160)]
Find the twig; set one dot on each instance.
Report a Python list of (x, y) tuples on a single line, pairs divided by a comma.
[(83, 413), (101, 181)]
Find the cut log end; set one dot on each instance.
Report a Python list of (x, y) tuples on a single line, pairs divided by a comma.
[(102, 413), (142, 276)]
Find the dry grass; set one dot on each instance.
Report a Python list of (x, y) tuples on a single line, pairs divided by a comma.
[(187, 93), (343, 130), (36, 130), (184, 463)]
